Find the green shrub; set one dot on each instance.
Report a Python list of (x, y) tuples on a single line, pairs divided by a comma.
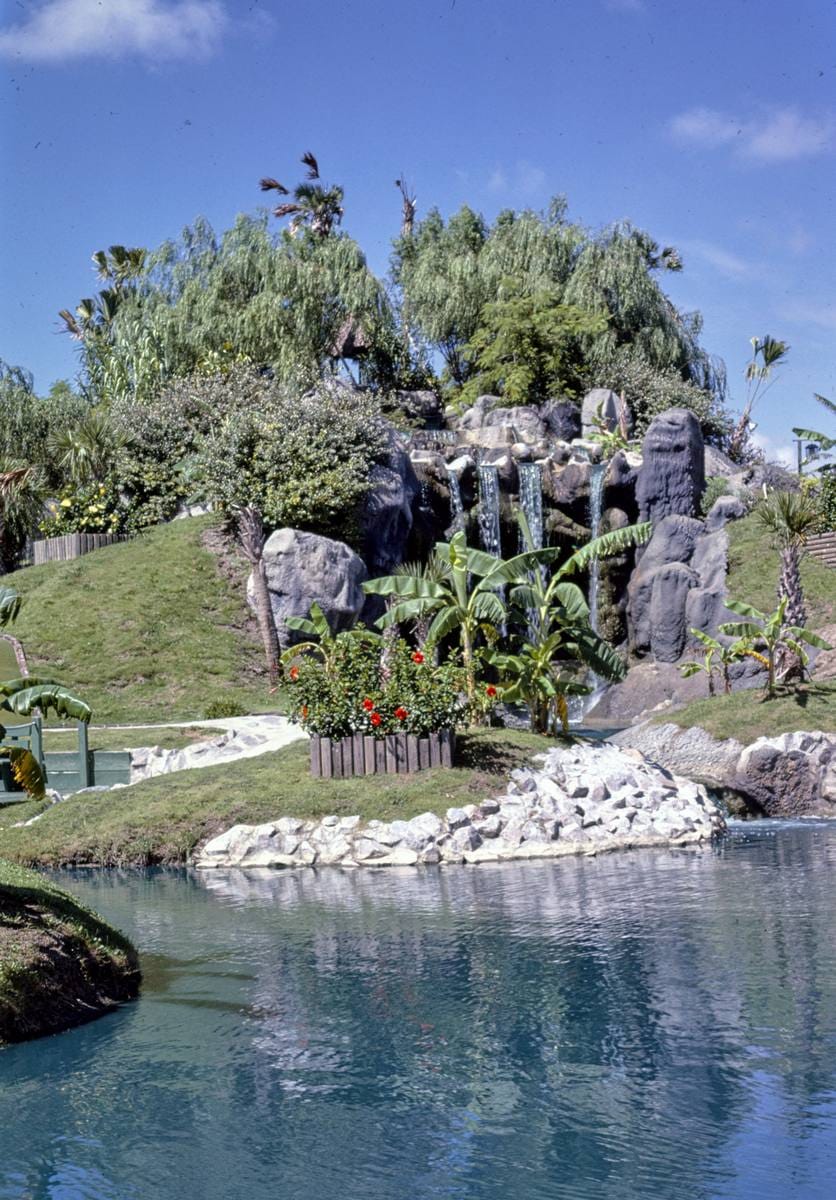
[(715, 487), (351, 693), (218, 709)]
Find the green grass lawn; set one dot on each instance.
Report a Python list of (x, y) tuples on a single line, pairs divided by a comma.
[(746, 715), (129, 739), (754, 567), (163, 819), (59, 962), (146, 630)]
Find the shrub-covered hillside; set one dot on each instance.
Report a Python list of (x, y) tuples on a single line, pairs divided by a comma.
[(153, 629)]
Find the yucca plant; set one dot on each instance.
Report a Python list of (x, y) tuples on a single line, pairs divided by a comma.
[(790, 517)]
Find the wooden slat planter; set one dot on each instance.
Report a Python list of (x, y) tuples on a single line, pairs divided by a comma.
[(71, 545), (394, 754)]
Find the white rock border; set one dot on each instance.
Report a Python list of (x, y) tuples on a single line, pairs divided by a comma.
[(586, 799)]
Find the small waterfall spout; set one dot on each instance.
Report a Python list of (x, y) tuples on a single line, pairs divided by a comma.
[(531, 501), (489, 509), (456, 505)]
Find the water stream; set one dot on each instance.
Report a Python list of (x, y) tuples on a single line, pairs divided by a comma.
[(531, 502), (647, 1025), (456, 506), (489, 509)]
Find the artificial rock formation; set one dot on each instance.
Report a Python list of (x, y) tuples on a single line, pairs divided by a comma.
[(672, 476), (599, 406), (386, 518), (584, 799), (302, 568)]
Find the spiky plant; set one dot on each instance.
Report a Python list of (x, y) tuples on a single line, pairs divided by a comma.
[(314, 205), (790, 517)]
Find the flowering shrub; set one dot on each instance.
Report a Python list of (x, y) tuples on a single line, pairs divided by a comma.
[(93, 508), (353, 693)]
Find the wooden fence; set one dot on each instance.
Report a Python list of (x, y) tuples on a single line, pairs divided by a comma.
[(394, 754), (70, 545), (823, 547)]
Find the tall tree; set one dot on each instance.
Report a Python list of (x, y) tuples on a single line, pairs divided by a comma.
[(314, 206)]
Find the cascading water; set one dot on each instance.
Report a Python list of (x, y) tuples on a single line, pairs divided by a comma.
[(531, 502), (489, 509), (456, 505), (596, 497), (581, 705)]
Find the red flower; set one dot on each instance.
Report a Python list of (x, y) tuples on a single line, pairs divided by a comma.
[(304, 711), (294, 673), (417, 657), (401, 714), (368, 704), (490, 690), (375, 718)]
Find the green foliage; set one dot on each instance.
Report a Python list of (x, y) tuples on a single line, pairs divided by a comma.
[(527, 348), (715, 487), (356, 689), (825, 499), (650, 390), (90, 508), (763, 636), (303, 461), (718, 656), (218, 709)]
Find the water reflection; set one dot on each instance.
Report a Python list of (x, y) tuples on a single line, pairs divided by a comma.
[(655, 1024)]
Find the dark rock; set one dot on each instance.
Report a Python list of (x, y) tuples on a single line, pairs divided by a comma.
[(475, 416), (672, 477), (567, 485), (386, 517), (668, 630), (302, 568), (424, 407), (562, 419), (791, 775)]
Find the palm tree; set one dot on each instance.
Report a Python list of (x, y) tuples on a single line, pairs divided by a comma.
[(767, 353), (86, 452), (790, 517), (22, 496), (251, 538), (314, 205)]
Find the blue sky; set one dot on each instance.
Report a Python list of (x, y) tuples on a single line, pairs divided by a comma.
[(711, 123)]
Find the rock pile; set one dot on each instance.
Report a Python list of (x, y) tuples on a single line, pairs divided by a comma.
[(582, 800)]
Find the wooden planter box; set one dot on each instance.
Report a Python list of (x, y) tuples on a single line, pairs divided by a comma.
[(394, 754)]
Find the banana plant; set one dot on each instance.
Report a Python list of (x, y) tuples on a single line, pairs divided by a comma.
[(26, 695), (764, 635), (718, 656), (462, 599), (321, 641)]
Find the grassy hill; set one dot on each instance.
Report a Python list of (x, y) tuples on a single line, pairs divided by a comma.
[(153, 629), (754, 567)]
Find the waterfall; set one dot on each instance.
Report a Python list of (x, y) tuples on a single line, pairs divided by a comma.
[(489, 509), (531, 501), (596, 497), (579, 706), (456, 505)]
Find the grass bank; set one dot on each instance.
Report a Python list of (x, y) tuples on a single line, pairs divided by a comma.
[(747, 716), (130, 739), (153, 629), (754, 568), (163, 819), (60, 964)]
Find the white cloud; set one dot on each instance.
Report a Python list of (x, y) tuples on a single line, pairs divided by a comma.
[(722, 260), (59, 30), (523, 182), (806, 313), (777, 135), (780, 452)]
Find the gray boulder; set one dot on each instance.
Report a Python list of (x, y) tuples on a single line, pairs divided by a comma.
[(672, 477), (386, 517), (475, 416), (600, 404), (423, 406), (562, 419), (723, 510), (793, 775), (302, 568), (667, 631)]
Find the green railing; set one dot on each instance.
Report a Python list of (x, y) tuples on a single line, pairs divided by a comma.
[(65, 770)]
